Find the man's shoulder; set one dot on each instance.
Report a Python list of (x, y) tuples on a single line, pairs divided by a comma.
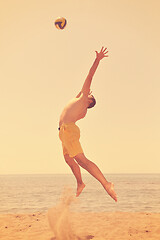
[(82, 95)]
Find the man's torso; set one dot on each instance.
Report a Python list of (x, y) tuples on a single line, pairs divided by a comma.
[(76, 109)]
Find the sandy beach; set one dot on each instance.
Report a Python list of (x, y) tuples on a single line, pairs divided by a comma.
[(97, 226)]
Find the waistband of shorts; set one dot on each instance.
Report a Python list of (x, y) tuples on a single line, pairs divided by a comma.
[(67, 124)]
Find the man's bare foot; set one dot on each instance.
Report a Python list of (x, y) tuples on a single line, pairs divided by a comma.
[(109, 187), (80, 188)]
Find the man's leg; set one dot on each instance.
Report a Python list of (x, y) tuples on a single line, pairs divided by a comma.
[(95, 172), (77, 173)]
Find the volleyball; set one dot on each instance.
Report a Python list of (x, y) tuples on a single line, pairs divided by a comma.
[(60, 23)]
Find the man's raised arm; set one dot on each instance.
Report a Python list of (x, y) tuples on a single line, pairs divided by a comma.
[(87, 83)]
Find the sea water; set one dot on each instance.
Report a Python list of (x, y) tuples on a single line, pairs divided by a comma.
[(37, 193)]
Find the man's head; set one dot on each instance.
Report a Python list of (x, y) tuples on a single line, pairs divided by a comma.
[(91, 101)]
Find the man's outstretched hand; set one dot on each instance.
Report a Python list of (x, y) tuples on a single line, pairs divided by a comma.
[(102, 53)]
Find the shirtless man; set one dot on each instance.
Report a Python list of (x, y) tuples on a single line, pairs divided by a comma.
[(69, 132)]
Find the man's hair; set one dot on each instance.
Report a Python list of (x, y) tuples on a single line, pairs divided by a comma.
[(93, 102)]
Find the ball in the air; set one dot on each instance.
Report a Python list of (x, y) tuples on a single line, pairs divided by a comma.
[(60, 23)]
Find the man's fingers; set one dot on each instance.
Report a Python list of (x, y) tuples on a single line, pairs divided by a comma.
[(102, 53), (104, 50)]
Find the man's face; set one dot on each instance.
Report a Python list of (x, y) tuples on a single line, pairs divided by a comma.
[(90, 98), (91, 101)]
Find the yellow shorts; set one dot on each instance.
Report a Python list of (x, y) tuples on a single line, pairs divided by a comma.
[(69, 134)]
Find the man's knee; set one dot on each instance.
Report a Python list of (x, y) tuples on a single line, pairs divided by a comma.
[(81, 159), (69, 160)]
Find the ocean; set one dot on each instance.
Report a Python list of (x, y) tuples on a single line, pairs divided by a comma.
[(37, 193)]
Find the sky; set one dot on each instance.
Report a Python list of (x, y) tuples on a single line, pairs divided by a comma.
[(42, 68)]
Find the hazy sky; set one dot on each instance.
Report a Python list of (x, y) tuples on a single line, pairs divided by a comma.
[(42, 68)]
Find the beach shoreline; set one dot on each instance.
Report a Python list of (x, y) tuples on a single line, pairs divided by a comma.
[(86, 225)]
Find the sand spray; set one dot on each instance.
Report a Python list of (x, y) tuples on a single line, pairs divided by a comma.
[(59, 217)]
